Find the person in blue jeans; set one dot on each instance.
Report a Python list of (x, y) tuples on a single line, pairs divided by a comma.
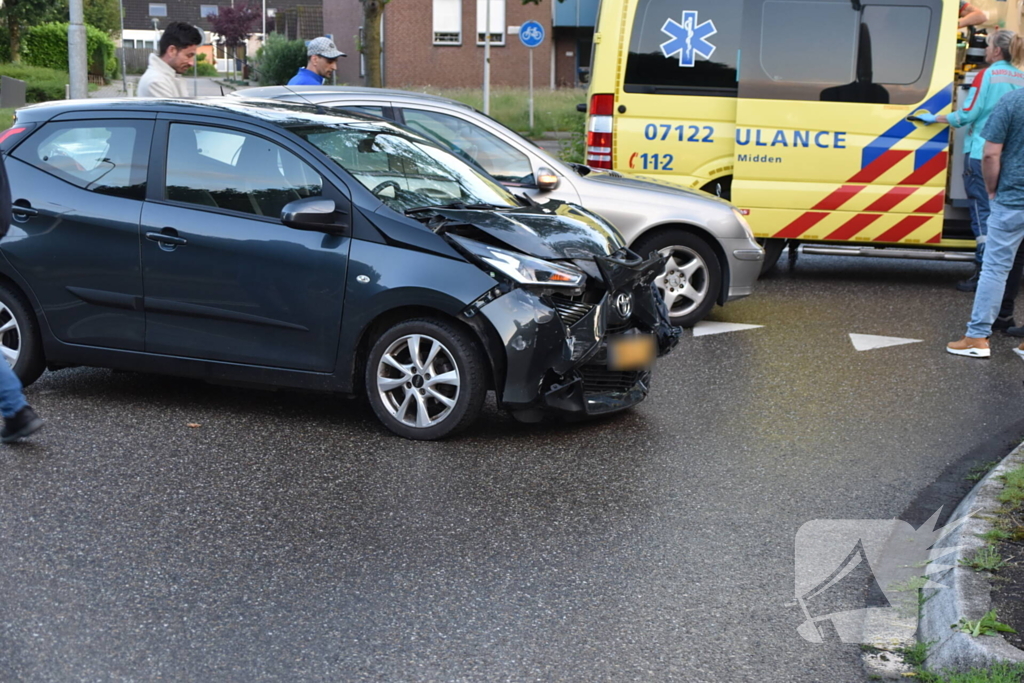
[(1003, 167), (1004, 54), (19, 418)]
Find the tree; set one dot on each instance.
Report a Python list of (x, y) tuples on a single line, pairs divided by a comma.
[(234, 25), (373, 13), (19, 13), (104, 15)]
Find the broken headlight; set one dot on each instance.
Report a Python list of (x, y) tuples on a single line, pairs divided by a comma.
[(523, 269)]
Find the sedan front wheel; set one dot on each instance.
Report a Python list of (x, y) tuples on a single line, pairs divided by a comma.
[(692, 278), (426, 379)]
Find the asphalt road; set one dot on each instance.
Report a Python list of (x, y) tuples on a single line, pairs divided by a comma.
[(288, 537)]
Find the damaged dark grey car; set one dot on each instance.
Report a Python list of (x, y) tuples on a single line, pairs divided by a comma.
[(286, 247)]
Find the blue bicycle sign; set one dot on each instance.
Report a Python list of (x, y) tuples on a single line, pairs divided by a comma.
[(531, 34)]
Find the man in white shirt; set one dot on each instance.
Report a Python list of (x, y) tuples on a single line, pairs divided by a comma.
[(178, 46)]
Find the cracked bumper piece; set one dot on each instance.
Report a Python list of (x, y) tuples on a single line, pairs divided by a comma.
[(556, 346)]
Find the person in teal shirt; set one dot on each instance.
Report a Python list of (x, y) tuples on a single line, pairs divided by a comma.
[(990, 84)]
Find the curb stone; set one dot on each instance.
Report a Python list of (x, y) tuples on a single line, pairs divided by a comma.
[(966, 594)]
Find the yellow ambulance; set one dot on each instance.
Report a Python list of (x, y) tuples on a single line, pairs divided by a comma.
[(796, 110)]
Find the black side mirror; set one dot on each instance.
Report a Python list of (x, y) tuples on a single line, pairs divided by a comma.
[(311, 213)]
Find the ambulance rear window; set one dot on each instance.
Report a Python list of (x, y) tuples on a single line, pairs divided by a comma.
[(686, 48), (875, 52)]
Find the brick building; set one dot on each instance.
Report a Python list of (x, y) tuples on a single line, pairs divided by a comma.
[(440, 43)]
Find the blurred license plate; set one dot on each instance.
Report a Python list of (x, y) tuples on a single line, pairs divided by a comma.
[(630, 352)]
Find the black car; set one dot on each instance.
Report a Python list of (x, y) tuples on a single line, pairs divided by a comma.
[(266, 243)]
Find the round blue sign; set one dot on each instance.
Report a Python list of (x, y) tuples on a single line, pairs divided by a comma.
[(531, 34)]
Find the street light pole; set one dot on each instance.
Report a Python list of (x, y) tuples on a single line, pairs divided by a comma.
[(77, 52), (124, 71)]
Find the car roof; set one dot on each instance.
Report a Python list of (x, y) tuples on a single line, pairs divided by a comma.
[(241, 108), (324, 91)]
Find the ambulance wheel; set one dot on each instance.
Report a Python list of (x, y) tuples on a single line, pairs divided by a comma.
[(772, 251), (692, 278)]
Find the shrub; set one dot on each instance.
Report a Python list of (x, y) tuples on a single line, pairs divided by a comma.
[(278, 60), (46, 45), (41, 84)]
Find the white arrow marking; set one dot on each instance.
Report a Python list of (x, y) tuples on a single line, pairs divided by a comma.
[(869, 342), (705, 327)]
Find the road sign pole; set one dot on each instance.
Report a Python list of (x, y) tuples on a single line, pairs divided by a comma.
[(531, 88)]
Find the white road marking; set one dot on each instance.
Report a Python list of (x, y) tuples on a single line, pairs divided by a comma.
[(706, 327), (870, 342)]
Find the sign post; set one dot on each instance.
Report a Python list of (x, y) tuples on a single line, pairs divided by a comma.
[(531, 34)]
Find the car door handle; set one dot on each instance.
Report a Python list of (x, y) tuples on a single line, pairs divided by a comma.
[(166, 239), (20, 210)]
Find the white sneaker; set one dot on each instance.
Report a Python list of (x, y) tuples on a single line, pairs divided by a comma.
[(1019, 350)]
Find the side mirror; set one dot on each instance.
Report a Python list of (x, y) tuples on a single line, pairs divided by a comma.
[(547, 180), (311, 213)]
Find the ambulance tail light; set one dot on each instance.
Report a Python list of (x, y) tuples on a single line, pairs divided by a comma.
[(599, 131)]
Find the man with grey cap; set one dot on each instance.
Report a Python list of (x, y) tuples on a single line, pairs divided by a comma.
[(323, 60)]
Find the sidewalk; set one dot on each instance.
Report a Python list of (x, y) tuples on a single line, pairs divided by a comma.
[(201, 87)]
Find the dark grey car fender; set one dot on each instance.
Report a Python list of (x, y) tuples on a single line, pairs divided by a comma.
[(401, 278)]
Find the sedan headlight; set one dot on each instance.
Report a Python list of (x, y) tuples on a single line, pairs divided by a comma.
[(526, 270), (743, 222)]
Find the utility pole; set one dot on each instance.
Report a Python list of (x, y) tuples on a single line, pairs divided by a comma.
[(77, 52), (487, 58), (124, 70)]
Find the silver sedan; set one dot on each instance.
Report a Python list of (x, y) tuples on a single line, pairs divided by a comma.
[(714, 257)]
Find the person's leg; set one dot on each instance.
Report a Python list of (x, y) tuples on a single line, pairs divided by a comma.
[(11, 397), (1005, 233), (977, 202), (1013, 279)]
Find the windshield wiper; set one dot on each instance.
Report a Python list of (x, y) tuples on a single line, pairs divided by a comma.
[(461, 206)]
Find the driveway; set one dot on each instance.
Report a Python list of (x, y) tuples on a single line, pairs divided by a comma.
[(163, 528)]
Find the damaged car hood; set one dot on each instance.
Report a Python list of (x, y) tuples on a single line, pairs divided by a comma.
[(555, 230)]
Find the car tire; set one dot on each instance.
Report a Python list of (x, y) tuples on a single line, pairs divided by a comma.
[(772, 251), (410, 401), (20, 340), (692, 279)]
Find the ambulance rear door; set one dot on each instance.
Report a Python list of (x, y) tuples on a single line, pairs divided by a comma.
[(676, 86), (824, 150)]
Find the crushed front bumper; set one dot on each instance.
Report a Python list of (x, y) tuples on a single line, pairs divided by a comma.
[(556, 346)]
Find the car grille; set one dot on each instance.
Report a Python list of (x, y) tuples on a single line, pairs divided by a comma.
[(569, 310), (598, 379)]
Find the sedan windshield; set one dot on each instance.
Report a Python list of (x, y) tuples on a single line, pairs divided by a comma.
[(402, 169)]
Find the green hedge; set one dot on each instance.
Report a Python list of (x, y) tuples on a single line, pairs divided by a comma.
[(41, 84), (278, 60), (46, 45)]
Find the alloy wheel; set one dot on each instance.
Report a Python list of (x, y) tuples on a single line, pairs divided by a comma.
[(10, 336), (684, 283), (418, 381)]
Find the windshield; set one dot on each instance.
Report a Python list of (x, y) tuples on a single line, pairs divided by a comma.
[(403, 170)]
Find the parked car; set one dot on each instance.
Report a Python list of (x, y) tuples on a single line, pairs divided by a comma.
[(269, 243), (713, 256)]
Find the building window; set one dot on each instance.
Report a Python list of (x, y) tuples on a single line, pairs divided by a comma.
[(128, 43), (157, 9), (447, 22), (497, 27), (207, 10)]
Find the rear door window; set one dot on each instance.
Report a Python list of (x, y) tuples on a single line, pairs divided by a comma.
[(689, 48), (108, 157)]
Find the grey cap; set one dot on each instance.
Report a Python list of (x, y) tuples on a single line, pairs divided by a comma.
[(324, 47)]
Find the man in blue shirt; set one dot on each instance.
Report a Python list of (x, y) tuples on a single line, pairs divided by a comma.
[(323, 60), (1003, 167)]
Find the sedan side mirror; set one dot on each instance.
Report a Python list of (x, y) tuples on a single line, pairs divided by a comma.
[(311, 213), (547, 180)]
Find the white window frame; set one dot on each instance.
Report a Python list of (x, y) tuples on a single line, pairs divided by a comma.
[(157, 4), (447, 18), (497, 28)]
